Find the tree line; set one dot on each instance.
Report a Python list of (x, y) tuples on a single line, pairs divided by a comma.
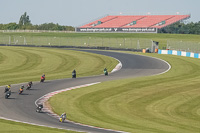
[(182, 28), (177, 28), (25, 24), (45, 26)]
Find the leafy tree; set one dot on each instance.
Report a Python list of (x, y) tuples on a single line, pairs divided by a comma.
[(24, 20), (11, 26), (182, 28), (52, 26)]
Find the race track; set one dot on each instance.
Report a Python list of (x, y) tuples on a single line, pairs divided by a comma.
[(22, 107)]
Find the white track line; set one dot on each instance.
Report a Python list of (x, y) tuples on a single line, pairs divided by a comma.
[(161, 60), (117, 67)]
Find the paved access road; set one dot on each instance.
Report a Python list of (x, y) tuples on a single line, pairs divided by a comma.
[(22, 107)]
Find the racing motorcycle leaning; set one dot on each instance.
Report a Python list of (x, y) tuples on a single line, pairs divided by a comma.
[(62, 117), (42, 79), (8, 93), (39, 108), (29, 85), (21, 89)]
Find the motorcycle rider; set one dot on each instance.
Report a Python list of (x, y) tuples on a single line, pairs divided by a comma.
[(63, 116), (74, 73), (42, 78), (105, 71), (29, 85), (21, 89), (39, 108), (7, 88)]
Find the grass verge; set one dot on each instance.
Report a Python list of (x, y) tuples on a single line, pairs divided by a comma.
[(162, 103), (16, 127), (23, 64)]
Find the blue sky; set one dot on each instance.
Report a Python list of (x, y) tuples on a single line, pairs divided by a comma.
[(79, 12)]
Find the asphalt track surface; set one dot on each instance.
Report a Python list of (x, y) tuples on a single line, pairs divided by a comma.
[(22, 107)]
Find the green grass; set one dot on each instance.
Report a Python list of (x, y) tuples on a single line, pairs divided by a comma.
[(16, 127), (96, 39), (23, 64), (163, 104)]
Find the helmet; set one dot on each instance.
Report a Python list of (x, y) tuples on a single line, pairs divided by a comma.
[(22, 86)]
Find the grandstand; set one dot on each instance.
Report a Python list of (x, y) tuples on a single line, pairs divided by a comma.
[(131, 23)]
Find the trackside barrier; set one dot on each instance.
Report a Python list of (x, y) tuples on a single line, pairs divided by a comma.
[(179, 53)]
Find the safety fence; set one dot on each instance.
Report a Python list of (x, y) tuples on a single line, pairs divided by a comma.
[(183, 46), (103, 42), (120, 43)]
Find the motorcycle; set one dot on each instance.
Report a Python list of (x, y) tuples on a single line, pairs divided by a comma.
[(29, 86), (39, 108), (74, 74), (20, 91), (61, 119), (42, 79), (106, 73), (8, 93), (6, 89)]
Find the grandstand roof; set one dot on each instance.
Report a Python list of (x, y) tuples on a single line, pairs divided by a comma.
[(135, 21)]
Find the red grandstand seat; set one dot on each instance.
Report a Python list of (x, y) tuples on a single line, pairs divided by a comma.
[(141, 21)]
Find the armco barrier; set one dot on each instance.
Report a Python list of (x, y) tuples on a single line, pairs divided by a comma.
[(179, 53), (169, 51), (188, 54)]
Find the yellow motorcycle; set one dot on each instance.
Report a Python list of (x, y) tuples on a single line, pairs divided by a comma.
[(61, 119), (21, 89)]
